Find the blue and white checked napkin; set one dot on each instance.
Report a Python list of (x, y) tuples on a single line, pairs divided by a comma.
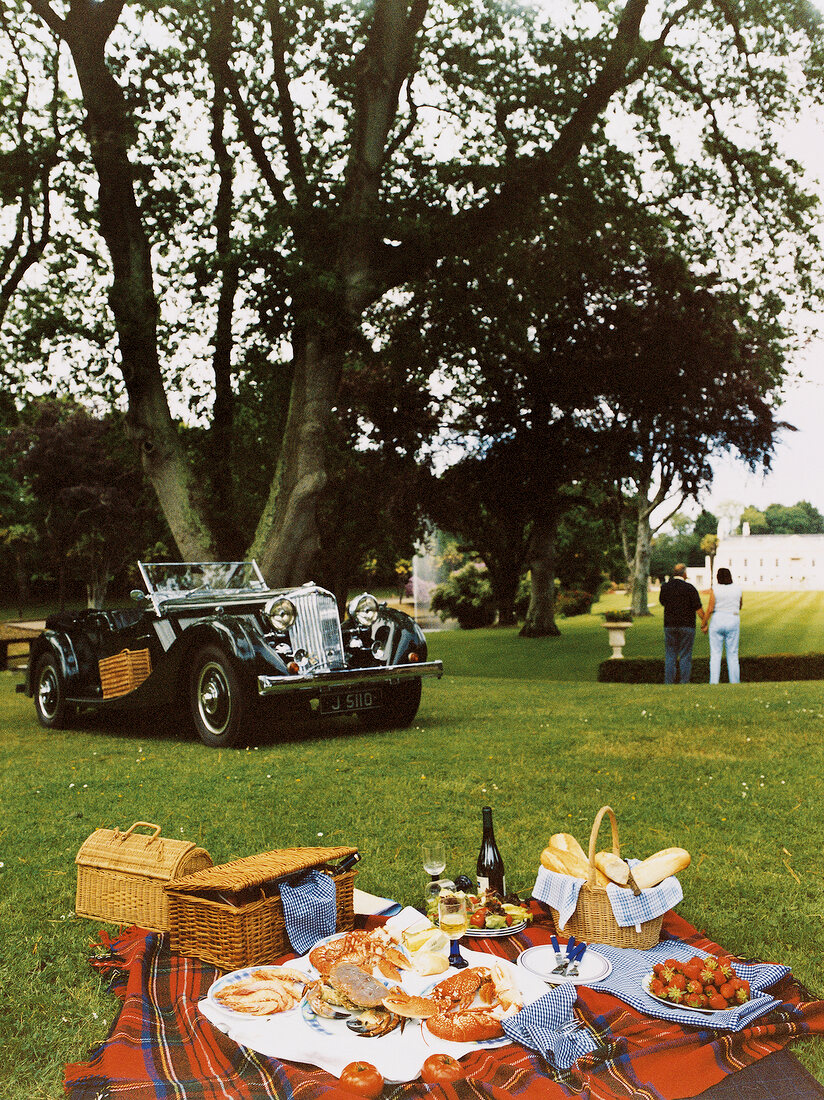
[(630, 910), (549, 1026), (630, 967), (309, 909)]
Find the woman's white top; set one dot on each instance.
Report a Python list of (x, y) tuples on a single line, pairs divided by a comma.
[(727, 599)]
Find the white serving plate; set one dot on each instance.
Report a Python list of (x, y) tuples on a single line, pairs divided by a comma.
[(540, 961)]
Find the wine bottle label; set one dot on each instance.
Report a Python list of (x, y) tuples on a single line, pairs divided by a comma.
[(483, 884)]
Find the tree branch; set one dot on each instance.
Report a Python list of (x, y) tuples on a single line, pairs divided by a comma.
[(49, 16), (286, 105)]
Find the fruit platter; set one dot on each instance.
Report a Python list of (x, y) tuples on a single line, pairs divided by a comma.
[(701, 984)]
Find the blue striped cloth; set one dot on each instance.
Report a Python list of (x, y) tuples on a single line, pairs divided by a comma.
[(549, 1026), (630, 967), (630, 910), (309, 909)]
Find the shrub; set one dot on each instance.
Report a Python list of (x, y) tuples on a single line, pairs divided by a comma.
[(774, 668), (572, 602), (522, 596), (618, 616), (466, 596)]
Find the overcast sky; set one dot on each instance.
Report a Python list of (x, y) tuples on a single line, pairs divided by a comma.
[(798, 468)]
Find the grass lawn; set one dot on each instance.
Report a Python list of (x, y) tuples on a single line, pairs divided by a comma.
[(733, 773)]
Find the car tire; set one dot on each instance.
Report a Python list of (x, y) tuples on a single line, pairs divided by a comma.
[(400, 706), (218, 700), (53, 712)]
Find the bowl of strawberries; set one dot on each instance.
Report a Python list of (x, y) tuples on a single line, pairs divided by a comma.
[(702, 984)]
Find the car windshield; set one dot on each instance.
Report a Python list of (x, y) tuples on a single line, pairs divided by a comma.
[(182, 579)]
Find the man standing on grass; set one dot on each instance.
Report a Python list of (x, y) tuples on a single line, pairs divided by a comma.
[(681, 604)]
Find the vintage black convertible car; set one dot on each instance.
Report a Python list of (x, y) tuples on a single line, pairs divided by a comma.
[(213, 636)]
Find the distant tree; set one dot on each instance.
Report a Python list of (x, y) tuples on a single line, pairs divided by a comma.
[(795, 519), (705, 524), (709, 544), (756, 519)]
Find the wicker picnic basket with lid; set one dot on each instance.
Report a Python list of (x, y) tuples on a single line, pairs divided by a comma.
[(231, 915), (593, 920), (121, 875)]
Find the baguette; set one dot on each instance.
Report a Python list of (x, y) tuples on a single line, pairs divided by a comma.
[(661, 865), (565, 856), (551, 859)]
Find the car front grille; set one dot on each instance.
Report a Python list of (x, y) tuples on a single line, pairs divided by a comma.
[(317, 629)]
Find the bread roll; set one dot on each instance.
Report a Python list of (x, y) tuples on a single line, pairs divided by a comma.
[(565, 856), (615, 868)]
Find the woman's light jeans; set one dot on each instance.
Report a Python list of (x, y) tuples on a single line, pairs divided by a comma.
[(724, 630)]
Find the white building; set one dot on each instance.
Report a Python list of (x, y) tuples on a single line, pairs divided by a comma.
[(783, 563)]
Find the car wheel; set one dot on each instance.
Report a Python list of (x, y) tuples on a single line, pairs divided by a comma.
[(53, 712), (218, 700), (399, 708)]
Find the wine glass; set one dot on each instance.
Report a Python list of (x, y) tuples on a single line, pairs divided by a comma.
[(434, 859), (454, 921)]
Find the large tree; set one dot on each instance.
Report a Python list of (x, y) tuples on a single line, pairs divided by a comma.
[(377, 140)]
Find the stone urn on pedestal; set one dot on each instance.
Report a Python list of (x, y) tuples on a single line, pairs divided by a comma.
[(617, 624)]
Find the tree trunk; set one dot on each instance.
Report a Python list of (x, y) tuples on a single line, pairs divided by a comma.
[(640, 565), (504, 588), (287, 541), (132, 296), (540, 617)]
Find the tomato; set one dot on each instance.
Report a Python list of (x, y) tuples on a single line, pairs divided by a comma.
[(478, 918), (362, 1078), (441, 1067)]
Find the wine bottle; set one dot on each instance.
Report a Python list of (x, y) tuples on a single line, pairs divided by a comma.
[(490, 866), (347, 863)]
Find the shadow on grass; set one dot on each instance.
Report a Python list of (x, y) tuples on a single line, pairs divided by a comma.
[(265, 728)]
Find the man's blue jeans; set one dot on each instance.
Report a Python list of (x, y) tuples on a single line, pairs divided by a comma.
[(678, 643)]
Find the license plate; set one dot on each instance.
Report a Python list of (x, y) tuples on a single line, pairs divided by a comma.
[(345, 702)]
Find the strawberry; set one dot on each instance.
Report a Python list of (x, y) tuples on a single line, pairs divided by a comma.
[(717, 1002), (706, 976), (710, 963), (726, 970), (742, 995), (673, 964), (727, 991), (678, 981), (692, 971), (694, 986), (718, 979), (658, 969), (657, 987), (696, 1000), (675, 995), (667, 974)]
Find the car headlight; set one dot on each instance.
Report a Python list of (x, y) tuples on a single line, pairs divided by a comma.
[(364, 609), (282, 613)]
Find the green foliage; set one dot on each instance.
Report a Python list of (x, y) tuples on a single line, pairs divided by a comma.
[(570, 602), (466, 596), (618, 616)]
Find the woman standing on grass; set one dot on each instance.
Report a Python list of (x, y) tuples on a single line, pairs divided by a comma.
[(724, 609)]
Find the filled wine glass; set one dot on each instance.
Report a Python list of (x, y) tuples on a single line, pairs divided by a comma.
[(454, 921)]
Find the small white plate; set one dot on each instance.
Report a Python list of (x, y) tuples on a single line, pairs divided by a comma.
[(239, 976), (495, 933), (594, 966)]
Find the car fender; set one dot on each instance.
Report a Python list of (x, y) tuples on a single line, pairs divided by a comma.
[(61, 647), (247, 648), (400, 634)]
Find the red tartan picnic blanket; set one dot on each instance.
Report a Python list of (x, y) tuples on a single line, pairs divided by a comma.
[(161, 1046)]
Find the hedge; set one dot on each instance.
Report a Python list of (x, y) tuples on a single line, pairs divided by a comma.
[(780, 666)]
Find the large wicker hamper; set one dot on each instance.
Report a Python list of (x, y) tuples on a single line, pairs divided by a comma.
[(121, 875), (231, 915)]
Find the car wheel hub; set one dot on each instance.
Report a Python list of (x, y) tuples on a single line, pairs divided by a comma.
[(214, 698), (47, 693)]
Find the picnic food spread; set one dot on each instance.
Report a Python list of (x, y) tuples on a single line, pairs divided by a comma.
[(357, 990)]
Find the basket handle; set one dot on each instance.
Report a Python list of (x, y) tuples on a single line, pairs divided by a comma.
[(145, 824), (593, 838)]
